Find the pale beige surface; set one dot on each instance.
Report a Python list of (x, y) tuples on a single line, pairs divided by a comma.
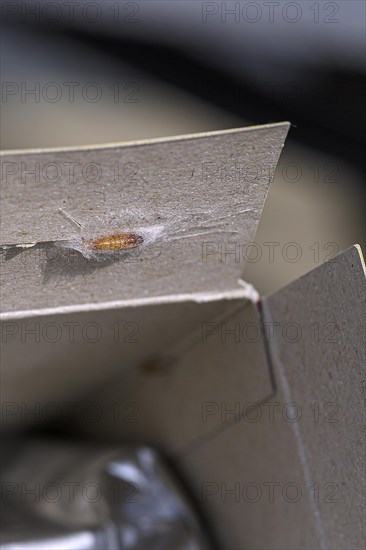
[(314, 210), (85, 96)]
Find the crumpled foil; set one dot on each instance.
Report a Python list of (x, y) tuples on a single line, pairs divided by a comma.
[(57, 496)]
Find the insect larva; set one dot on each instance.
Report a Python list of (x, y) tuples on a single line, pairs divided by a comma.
[(94, 247), (122, 241)]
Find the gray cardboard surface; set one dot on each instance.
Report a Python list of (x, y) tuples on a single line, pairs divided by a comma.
[(178, 396), (199, 196), (324, 370), (275, 467), (308, 443), (268, 435), (48, 361)]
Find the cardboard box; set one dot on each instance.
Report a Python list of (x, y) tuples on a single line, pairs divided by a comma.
[(257, 402)]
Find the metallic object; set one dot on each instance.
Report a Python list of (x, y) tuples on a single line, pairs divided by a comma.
[(70, 497)]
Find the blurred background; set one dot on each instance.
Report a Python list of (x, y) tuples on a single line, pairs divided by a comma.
[(100, 72)]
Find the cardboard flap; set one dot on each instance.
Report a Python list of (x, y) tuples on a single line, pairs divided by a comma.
[(191, 391), (270, 445), (292, 475), (198, 198), (56, 357), (318, 354)]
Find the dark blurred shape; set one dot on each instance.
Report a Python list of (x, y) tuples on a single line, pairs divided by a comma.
[(266, 62), (77, 497)]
